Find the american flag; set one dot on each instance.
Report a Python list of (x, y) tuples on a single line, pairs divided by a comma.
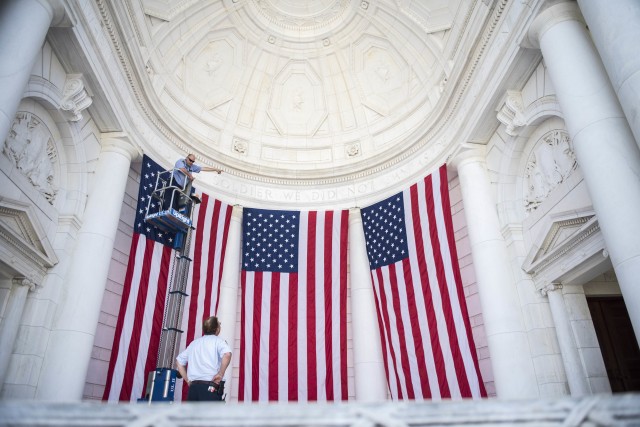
[(293, 343), (428, 349), (137, 335)]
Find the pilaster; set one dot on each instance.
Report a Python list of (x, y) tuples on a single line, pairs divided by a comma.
[(11, 321), (570, 357)]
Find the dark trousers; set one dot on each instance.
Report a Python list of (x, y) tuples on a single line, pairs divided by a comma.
[(203, 392)]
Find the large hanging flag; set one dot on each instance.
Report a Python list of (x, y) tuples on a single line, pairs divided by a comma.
[(293, 342), (137, 335), (428, 349)]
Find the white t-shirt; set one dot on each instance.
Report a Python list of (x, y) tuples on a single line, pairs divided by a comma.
[(202, 357)]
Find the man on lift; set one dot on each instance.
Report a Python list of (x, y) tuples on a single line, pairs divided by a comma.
[(185, 168)]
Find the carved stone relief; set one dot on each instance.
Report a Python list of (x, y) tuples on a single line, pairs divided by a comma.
[(30, 147), (240, 146), (353, 150), (550, 164)]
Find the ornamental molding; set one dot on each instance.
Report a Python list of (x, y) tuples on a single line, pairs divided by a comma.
[(430, 19), (301, 23), (511, 113), (166, 10), (516, 117), (75, 97)]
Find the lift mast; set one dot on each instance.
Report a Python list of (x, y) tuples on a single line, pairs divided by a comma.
[(170, 209)]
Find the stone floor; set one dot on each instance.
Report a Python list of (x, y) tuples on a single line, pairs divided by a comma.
[(602, 410)]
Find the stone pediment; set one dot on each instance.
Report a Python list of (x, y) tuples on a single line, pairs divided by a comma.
[(571, 242), (23, 243)]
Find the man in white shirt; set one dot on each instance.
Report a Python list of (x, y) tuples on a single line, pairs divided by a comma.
[(203, 364)]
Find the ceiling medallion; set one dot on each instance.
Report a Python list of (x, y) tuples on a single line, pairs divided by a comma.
[(301, 14)]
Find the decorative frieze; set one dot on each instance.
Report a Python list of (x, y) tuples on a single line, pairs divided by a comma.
[(312, 18)]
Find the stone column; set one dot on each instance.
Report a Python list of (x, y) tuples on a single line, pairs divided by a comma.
[(603, 143), (11, 322), (511, 358), (23, 27), (228, 306), (570, 357), (71, 340), (368, 364), (615, 29)]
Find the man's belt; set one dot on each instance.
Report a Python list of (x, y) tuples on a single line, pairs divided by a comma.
[(204, 382)]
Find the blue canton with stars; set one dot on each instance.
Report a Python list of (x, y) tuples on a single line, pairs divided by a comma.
[(385, 231), (148, 176), (270, 240)]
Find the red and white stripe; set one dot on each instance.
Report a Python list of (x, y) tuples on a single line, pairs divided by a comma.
[(140, 319), (428, 348), (293, 343)]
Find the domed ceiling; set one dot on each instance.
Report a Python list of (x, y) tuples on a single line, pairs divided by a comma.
[(304, 92)]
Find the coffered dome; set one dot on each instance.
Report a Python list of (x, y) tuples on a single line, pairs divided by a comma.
[(301, 94)]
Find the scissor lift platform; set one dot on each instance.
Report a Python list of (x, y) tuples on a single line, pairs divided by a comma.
[(170, 205), (169, 220)]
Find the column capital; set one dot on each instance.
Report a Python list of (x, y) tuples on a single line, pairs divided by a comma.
[(550, 287), (354, 215), (468, 155), (60, 17), (119, 142), (567, 11), (24, 281), (236, 213)]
